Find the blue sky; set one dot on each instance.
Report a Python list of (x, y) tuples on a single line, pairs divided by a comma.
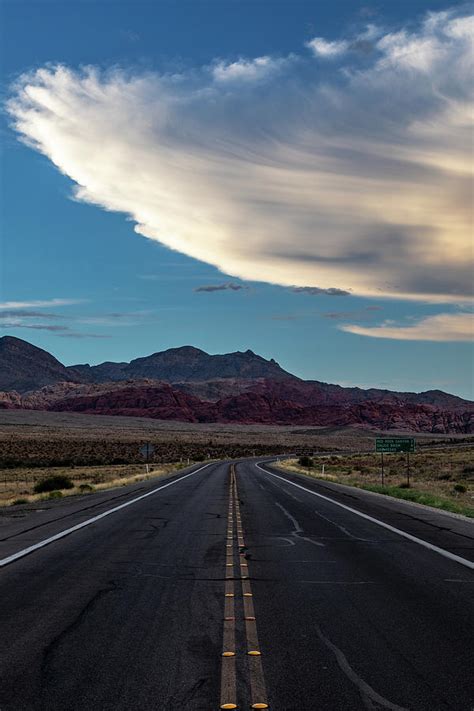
[(77, 279)]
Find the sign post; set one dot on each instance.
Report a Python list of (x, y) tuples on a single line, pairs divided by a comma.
[(392, 445), (146, 451)]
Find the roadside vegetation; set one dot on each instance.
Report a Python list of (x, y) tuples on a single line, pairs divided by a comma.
[(442, 478), (23, 485)]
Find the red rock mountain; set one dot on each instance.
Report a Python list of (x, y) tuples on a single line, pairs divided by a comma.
[(190, 385)]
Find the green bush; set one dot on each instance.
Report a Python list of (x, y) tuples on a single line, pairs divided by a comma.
[(55, 495), (17, 502), (52, 483), (460, 488), (85, 487), (305, 461)]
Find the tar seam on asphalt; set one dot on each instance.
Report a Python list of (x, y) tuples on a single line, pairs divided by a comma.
[(368, 694), (298, 532)]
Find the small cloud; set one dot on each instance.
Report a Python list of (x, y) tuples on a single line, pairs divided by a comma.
[(39, 303), (221, 287), (441, 328), (363, 43), (19, 313), (317, 291), (33, 326), (247, 70), (326, 49)]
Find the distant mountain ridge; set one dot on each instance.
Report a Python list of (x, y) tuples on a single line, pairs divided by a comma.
[(185, 364), (191, 385)]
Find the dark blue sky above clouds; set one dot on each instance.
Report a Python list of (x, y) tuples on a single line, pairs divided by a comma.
[(248, 157)]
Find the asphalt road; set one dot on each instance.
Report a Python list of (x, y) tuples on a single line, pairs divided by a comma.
[(128, 612)]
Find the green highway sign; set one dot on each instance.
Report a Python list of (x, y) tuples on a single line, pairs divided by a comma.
[(394, 444)]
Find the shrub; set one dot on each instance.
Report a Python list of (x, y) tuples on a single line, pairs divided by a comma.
[(305, 461), (17, 502), (460, 488), (404, 485), (52, 483), (55, 495), (85, 487)]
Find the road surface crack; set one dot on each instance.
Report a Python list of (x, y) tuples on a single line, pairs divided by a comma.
[(56, 642), (370, 698)]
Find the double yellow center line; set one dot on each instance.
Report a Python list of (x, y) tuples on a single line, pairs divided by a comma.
[(255, 670)]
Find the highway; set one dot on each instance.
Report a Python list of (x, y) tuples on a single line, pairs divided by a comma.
[(153, 601)]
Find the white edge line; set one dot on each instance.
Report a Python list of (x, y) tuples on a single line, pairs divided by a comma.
[(62, 534), (420, 541)]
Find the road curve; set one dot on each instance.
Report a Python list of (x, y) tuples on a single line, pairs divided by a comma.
[(135, 609)]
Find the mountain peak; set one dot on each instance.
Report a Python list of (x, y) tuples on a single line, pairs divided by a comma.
[(187, 363), (19, 347), (24, 366), (14, 342), (183, 350)]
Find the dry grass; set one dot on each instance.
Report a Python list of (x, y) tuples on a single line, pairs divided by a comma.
[(18, 484), (54, 439), (103, 451), (433, 475)]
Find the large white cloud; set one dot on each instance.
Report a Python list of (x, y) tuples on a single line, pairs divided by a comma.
[(360, 181)]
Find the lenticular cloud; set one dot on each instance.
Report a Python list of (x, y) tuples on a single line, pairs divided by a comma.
[(359, 183)]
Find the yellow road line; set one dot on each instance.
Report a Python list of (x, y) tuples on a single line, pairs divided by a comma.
[(258, 691), (228, 676)]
